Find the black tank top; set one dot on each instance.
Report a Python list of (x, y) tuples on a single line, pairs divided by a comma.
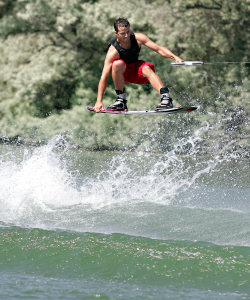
[(128, 55)]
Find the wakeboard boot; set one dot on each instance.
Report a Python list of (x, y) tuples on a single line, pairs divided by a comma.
[(166, 100), (120, 103)]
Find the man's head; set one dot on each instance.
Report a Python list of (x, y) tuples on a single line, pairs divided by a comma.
[(121, 22), (122, 30)]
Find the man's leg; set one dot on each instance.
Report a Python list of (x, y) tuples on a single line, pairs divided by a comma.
[(118, 69), (155, 81), (153, 78)]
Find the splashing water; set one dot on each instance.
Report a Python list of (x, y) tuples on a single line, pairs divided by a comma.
[(54, 186)]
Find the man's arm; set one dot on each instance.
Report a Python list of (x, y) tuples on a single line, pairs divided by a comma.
[(112, 54), (163, 51)]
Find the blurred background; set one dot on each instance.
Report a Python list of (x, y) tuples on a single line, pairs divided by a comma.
[(51, 58)]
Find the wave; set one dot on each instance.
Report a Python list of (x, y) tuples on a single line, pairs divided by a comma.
[(123, 258)]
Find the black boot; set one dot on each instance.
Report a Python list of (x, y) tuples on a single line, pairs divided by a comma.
[(166, 100), (120, 103)]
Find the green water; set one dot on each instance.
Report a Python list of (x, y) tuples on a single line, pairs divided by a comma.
[(85, 225), (124, 263)]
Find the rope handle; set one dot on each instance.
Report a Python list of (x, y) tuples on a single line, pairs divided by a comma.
[(196, 63)]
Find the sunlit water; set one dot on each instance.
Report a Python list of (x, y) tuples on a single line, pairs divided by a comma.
[(122, 225)]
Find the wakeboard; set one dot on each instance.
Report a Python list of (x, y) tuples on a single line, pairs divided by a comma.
[(180, 109)]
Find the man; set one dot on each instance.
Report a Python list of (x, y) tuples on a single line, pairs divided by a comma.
[(122, 60)]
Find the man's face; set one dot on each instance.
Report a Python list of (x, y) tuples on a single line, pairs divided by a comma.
[(123, 34)]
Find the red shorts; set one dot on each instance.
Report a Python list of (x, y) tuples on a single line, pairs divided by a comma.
[(133, 72)]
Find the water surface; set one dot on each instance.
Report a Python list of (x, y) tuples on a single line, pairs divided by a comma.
[(110, 225)]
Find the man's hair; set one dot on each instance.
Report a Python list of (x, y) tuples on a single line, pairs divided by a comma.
[(121, 22)]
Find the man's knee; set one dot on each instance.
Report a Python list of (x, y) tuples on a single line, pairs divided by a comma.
[(118, 65), (147, 71)]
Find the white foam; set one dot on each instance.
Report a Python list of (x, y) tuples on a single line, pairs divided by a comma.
[(42, 180), (40, 189), (38, 180)]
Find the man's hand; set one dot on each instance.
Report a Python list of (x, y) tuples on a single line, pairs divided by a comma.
[(98, 106), (178, 59)]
